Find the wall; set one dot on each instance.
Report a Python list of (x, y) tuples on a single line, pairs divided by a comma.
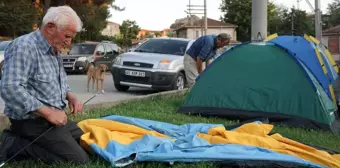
[(332, 43), (324, 40), (111, 29)]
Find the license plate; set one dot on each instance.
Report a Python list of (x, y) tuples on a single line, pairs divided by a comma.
[(68, 65), (135, 73)]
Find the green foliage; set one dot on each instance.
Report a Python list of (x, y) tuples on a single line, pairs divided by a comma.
[(334, 14), (164, 109), (149, 35), (129, 30), (301, 22), (275, 21), (158, 34), (239, 12), (171, 34), (16, 17)]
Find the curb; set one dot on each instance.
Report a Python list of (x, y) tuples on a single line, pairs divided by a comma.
[(139, 98)]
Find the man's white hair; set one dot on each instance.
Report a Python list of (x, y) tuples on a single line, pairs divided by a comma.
[(62, 16)]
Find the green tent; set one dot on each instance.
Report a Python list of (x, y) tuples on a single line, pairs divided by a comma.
[(266, 80)]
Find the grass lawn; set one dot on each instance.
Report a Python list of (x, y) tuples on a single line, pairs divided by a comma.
[(164, 109)]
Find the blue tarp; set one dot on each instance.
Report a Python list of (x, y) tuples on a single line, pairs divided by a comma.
[(188, 147)]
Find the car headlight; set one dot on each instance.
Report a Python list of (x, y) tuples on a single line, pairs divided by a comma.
[(81, 59), (117, 61), (164, 64)]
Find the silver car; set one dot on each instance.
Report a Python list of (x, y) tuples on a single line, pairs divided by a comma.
[(3, 46), (157, 63)]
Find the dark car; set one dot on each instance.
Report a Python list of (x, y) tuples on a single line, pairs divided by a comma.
[(83, 55)]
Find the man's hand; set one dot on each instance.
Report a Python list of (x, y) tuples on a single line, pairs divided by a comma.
[(199, 64), (74, 104), (207, 63), (52, 115)]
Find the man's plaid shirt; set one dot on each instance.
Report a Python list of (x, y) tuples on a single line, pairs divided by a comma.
[(33, 76)]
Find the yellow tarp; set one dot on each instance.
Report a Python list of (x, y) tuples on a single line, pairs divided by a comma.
[(100, 132), (255, 134)]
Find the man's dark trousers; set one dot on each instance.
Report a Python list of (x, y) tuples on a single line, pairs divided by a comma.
[(60, 144)]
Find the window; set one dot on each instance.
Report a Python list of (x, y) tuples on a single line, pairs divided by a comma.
[(100, 50), (164, 46), (80, 49), (108, 49)]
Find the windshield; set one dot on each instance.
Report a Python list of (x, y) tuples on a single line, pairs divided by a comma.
[(164, 46), (81, 49), (3, 45)]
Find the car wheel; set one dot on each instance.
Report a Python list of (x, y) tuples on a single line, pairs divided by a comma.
[(179, 82), (1, 69), (121, 88)]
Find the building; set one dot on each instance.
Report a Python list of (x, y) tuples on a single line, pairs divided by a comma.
[(145, 33), (330, 38), (193, 27), (111, 29)]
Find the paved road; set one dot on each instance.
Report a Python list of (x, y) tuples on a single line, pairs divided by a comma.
[(78, 84)]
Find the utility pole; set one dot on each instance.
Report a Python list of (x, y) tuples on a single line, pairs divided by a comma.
[(205, 18), (259, 19), (317, 18), (198, 8), (318, 28), (293, 15)]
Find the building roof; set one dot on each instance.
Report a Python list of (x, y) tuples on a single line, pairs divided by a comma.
[(110, 22), (333, 30)]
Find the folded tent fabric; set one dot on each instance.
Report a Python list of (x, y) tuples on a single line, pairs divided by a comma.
[(255, 134), (123, 140)]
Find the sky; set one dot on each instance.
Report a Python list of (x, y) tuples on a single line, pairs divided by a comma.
[(160, 14)]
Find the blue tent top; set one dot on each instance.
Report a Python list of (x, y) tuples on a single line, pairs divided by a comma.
[(312, 56)]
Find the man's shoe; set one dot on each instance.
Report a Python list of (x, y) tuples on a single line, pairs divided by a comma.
[(7, 140)]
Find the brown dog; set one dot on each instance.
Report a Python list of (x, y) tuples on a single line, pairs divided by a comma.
[(96, 74)]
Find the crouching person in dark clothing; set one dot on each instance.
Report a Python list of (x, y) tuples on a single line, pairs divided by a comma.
[(35, 91)]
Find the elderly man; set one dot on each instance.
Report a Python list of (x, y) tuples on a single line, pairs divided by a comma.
[(202, 50), (34, 89)]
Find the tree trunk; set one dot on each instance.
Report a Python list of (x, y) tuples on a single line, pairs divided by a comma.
[(47, 4)]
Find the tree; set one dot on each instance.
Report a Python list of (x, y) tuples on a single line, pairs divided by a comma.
[(93, 14), (301, 21), (157, 34), (171, 34), (238, 12), (276, 19), (333, 14), (149, 35), (129, 30), (16, 17)]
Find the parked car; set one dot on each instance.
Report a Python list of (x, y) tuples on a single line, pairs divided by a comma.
[(83, 55), (156, 63), (3, 45)]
